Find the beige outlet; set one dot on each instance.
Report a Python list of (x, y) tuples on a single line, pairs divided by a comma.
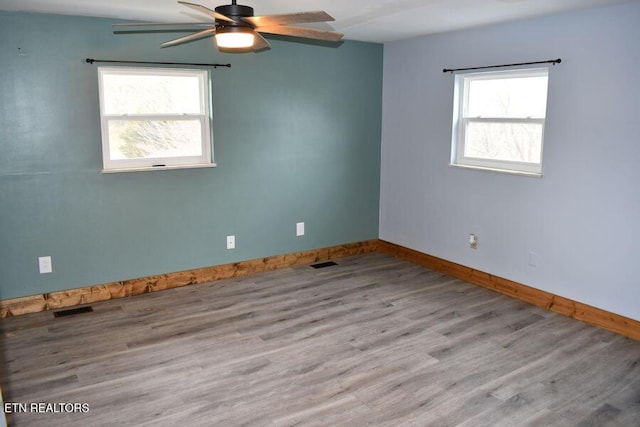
[(473, 241)]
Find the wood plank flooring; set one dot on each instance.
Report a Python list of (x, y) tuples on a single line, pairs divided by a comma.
[(372, 341)]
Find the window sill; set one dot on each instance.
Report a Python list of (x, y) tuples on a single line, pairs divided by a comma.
[(507, 171), (159, 168)]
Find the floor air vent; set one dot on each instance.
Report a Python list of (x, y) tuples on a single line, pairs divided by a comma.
[(72, 311), (323, 264)]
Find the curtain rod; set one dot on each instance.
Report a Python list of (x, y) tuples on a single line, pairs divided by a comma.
[(91, 61), (550, 61)]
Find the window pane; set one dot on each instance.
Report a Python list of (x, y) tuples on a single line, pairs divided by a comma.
[(151, 94), (517, 97), (144, 139), (518, 142)]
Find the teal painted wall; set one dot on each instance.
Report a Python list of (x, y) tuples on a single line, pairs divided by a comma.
[(297, 138)]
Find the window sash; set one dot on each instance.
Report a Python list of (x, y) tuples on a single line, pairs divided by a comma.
[(148, 162), (499, 164)]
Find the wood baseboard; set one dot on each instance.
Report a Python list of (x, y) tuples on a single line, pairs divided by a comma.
[(87, 295), (583, 312), (126, 288)]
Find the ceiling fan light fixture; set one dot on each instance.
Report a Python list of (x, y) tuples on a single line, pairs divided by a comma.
[(235, 37)]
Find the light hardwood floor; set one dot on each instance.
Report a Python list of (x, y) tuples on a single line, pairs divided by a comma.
[(372, 341)]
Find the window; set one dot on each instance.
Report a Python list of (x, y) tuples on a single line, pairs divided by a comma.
[(499, 120), (154, 118)]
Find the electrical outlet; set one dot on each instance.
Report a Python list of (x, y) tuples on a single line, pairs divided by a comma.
[(44, 262), (533, 259), (473, 241), (231, 242), (300, 229)]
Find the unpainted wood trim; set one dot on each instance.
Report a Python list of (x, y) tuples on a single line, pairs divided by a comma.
[(577, 310), (126, 288), (87, 295)]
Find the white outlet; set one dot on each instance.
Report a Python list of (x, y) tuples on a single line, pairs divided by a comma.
[(231, 242), (44, 262), (300, 229), (533, 259)]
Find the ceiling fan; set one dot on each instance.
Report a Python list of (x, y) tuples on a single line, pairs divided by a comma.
[(236, 29)]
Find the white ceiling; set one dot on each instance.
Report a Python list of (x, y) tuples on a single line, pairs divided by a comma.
[(365, 20)]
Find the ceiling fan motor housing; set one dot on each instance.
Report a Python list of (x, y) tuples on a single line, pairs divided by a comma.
[(235, 12)]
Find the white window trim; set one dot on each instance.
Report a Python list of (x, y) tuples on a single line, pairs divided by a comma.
[(460, 122), (161, 163)]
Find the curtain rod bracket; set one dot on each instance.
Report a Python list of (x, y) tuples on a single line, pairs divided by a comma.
[(549, 61), (91, 61)]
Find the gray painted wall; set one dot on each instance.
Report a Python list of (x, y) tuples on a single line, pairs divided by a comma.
[(297, 138), (582, 219)]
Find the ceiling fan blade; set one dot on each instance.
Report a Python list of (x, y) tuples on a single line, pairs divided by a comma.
[(167, 24), (206, 10), (307, 33), (190, 37), (260, 43), (289, 18)]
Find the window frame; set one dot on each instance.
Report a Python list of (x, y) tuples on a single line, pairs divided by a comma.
[(158, 163), (461, 122)]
